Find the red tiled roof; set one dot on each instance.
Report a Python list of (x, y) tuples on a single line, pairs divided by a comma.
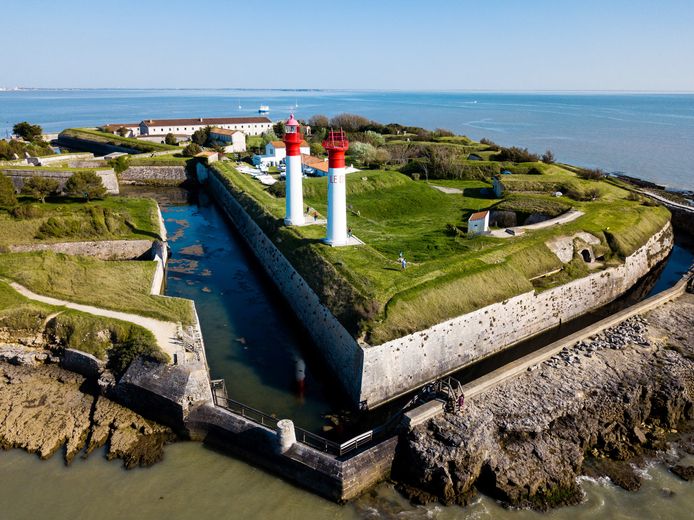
[(122, 125), (207, 121), (480, 215)]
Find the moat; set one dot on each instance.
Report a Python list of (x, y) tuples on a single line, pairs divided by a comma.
[(254, 341)]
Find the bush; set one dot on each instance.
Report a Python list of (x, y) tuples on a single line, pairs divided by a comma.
[(26, 211), (8, 198), (192, 150), (40, 187), (201, 136), (119, 164), (27, 131), (85, 184), (279, 190), (590, 174), (170, 139), (548, 157), (491, 145), (515, 154)]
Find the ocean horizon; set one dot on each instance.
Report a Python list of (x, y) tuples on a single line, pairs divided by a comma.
[(645, 134)]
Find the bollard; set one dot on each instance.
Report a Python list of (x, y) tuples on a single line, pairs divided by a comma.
[(286, 436)]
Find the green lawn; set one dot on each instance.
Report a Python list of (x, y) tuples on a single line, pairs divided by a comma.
[(448, 273), (117, 285), (175, 159), (117, 341), (65, 220), (97, 136)]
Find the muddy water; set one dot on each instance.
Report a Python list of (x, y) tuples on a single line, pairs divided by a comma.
[(194, 482)]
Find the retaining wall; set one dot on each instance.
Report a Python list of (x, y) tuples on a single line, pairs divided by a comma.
[(397, 366), (18, 177), (372, 375), (160, 175), (102, 249)]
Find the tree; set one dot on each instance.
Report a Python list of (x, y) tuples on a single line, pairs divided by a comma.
[(85, 184), (27, 131), (361, 152), (119, 164), (201, 136), (515, 154), (192, 150), (349, 122), (8, 197), (40, 187), (278, 129), (318, 121), (122, 131), (170, 139), (548, 157), (269, 136)]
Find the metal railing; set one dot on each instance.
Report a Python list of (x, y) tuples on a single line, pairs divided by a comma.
[(221, 399)]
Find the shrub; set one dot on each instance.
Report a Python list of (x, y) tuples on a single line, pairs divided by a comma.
[(8, 198), (26, 211), (119, 164), (491, 145), (192, 150), (86, 184), (515, 154), (278, 190), (590, 174), (40, 187), (27, 131), (548, 157), (170, 139)]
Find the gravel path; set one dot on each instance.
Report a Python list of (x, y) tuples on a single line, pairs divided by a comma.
[(569, 216), (165, 332)]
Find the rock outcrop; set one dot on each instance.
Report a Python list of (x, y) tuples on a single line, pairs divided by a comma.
[(44, 408), (525, 442)]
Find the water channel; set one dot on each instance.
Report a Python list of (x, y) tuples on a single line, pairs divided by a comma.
[(254, 342)]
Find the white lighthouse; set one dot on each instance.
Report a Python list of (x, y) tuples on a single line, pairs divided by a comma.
[(294, 211), (336, 145)]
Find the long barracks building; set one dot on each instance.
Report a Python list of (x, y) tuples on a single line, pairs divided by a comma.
[(247, 125)]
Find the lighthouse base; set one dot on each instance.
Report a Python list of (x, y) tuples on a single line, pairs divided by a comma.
[(350, 241)]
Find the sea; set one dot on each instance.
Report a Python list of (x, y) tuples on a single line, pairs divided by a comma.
[(645, 135), (251, 337)]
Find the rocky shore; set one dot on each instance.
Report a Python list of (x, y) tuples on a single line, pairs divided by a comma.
[(598, 409), (45, 409)]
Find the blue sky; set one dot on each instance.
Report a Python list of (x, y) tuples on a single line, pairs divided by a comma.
[(376, 44)]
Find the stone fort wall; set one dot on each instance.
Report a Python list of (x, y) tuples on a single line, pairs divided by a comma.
[(372, 375)]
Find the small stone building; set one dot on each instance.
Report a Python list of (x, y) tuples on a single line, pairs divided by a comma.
[(478, 223), (233, 140)]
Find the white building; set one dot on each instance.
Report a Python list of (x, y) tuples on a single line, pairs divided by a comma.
[(478, 223), (233, 140), (247, 125), (129, 129), (276, 151)]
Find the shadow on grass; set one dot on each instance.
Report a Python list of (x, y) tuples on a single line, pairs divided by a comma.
[(478, 193)]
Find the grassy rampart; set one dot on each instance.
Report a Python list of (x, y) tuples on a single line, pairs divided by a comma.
[(448, 273), (97, 136)]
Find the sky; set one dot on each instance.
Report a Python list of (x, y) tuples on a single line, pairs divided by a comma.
[(354, 44)]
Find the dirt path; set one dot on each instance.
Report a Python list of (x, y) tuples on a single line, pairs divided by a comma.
[(569, 216), (165, 332)]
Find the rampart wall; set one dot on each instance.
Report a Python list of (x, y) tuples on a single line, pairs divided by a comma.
[(372, 375)]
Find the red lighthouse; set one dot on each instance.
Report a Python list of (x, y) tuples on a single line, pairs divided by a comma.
[(294, 200)]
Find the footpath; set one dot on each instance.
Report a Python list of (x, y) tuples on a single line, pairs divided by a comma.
[(165, 332)]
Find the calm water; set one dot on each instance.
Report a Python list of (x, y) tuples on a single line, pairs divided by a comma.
[(252, 338), (646, 135)]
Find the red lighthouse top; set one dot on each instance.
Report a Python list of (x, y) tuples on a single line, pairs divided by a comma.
[(292, 136), (336, 144)]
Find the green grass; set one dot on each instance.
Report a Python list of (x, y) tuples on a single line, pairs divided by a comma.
[(160, 160), (448, 274), (120, 286), (112, 218), (117, 341), (96, 136)]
